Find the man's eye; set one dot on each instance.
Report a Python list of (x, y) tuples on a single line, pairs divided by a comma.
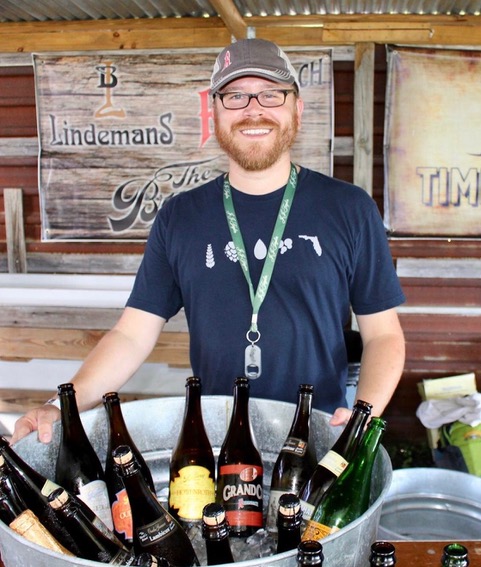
[(236, 96), (271, 95)]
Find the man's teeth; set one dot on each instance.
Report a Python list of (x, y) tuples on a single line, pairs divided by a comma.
[(256, 131)]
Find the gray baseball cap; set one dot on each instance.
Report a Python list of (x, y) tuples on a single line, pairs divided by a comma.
[(256, 57)]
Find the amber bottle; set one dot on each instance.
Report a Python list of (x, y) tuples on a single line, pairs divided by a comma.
[(289, 520), (192, 464), (310, 552), (297, 459), (335, 460), (240, 469), (383, 554), (155, 531), (78, 467), (215, 531), (92, 543), (119, 501)]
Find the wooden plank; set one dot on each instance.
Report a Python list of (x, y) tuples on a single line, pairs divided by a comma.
[(16, 248), (20, 400), (74, 318), (72, 344), (18, 147), (364, 116)]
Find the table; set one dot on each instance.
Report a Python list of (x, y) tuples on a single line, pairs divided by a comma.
[(424, 553)]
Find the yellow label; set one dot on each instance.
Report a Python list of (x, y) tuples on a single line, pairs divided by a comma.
[(191, 491), (317, 531), (334, 462)]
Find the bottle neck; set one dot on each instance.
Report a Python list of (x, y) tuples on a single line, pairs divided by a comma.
[(349, 438), (301, 421)]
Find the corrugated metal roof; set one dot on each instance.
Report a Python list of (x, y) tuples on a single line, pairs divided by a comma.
[(68, 10)]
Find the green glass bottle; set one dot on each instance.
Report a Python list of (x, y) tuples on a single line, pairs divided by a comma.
[(455, 555), (349, 496)]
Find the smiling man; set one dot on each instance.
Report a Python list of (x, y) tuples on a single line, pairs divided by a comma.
[(267, 260)]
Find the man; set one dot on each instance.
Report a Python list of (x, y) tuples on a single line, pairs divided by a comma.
[(267, 262)]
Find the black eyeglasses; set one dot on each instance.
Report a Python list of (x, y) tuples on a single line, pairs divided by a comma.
[(270, 98)]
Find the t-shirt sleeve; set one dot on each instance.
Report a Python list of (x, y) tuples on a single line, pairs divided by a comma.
[(374, 285), (155, 289)]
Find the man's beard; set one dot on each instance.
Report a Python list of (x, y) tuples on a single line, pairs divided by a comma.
[(255, 156)]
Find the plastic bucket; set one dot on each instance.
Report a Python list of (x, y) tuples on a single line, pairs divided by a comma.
[(155, 424), (431, 504)]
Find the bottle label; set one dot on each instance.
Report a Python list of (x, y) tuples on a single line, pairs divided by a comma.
[(272, 508), (49, 487), (95, 495), (122, 514), (156, 531), (191, 491), (307, 510), (315, 530), (240, 488), (296, 446), (123, 558), (334, 462)]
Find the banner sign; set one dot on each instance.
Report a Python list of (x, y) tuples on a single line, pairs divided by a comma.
[(118, 133), (433, 143)]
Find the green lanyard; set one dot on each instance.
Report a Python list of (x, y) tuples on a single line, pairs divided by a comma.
[(253, 360)]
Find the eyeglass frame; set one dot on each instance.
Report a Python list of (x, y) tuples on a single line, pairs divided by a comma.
[(250, 96)]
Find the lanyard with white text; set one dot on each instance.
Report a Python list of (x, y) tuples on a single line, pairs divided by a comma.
[(253, 366)]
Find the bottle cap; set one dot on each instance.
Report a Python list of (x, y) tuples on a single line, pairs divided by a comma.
[(122, 455), (289, 504), (213, 514), (58, 498)]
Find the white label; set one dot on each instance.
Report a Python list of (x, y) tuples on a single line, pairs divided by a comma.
[(334, 462), (95, 495)]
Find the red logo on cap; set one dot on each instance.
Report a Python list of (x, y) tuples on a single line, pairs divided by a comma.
[(226, 60)]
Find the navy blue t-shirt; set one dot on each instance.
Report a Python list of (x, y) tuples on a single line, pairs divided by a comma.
[(334, 255)]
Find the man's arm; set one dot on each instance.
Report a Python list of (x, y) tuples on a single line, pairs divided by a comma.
[(109, 366), (382, 361)]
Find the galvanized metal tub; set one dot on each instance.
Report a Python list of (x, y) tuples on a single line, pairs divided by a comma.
[(155, 424), (431, 504)]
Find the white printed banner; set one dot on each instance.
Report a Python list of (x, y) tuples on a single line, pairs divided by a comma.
[(433, 143), (120, 132)]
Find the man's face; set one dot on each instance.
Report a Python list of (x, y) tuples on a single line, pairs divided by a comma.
[(256, 137)]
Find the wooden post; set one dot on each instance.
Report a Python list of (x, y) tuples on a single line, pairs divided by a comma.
[(16, 248), (363, 115)]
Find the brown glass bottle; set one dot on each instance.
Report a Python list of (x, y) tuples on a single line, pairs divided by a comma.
[(335, 460), (78, 467), (15, 514), (240, 469), (33, 488), (155, 531), (289, 520), (192, 464), (310, 552), (215, 531), (383, 554), (92, 543), (297, 459), (119, 501)]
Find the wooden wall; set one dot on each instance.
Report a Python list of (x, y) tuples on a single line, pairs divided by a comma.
[(441, 318)]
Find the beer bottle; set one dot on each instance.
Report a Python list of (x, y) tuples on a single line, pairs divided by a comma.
[(455, 555), (33, 489), (335, 460), (15, 514), (78, 467), (383, 554), (297, 459), (148, 560), (192, 465), (289, 520), (349, 495), (155, 531), (309, 552), (92, 543), (119, 501), (240, 469), (215, 531)]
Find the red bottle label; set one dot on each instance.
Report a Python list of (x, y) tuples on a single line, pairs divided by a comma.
[(241, 492), (122, 514)]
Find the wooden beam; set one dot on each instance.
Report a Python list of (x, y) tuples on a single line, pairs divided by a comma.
[(73, 344), (16, 248), (364, 116), (195, 33), (231, 17)]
